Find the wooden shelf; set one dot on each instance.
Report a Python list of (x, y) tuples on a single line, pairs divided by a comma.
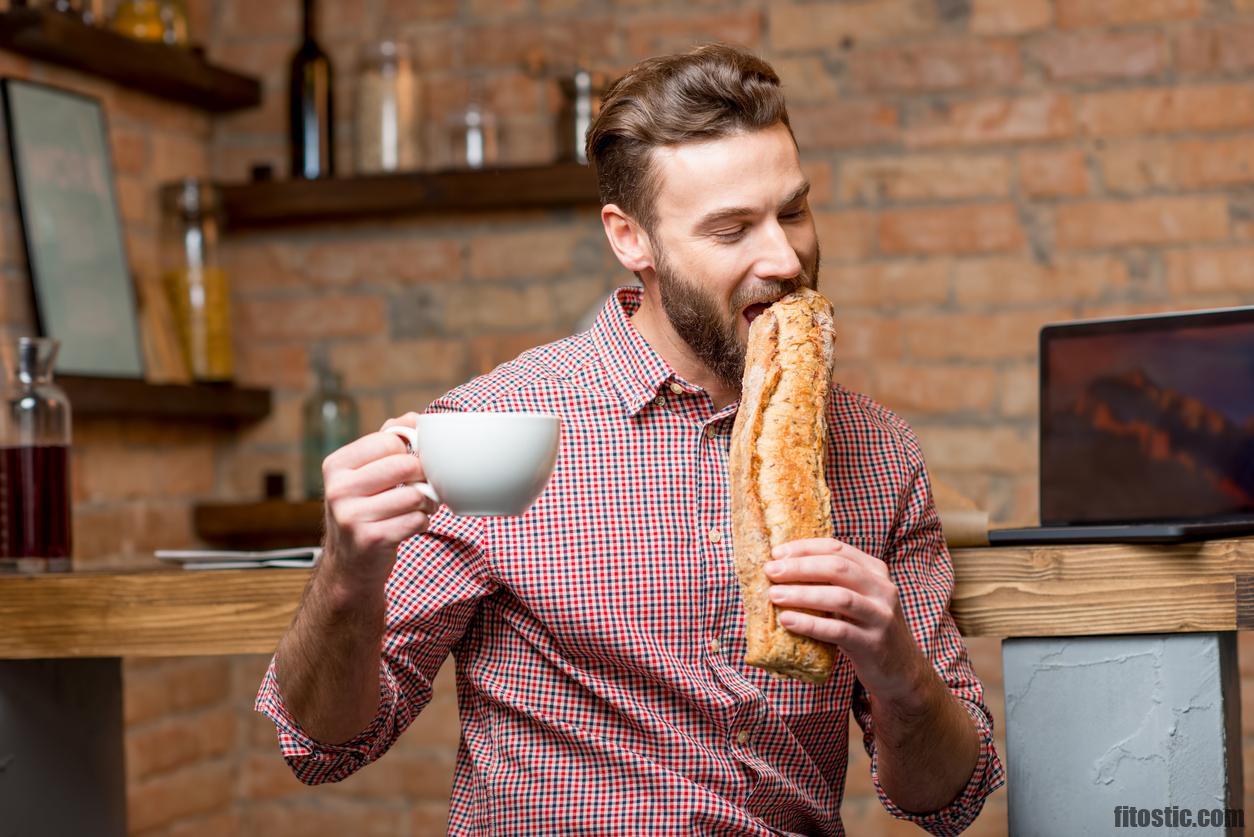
[(157, 69), (133, 398), (276, 202), (268, 524)]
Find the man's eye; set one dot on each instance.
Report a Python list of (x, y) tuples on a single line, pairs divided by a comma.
[(729, 235), (800, 213)]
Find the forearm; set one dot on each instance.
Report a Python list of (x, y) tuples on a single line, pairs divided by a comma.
[(327, 664), (927, 746)]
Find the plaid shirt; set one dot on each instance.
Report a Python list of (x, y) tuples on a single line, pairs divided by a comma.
[(599, 638)]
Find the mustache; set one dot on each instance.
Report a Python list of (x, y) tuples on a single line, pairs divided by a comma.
[(770, 291)]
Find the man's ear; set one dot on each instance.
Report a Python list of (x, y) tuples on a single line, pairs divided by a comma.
[(628, 240)]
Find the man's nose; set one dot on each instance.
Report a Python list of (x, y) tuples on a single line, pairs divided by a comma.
[(778, 259)]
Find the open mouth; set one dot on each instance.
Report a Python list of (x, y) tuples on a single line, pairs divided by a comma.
[(751, 312)]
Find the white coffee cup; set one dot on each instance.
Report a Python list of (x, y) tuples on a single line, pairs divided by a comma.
[(484, 464)]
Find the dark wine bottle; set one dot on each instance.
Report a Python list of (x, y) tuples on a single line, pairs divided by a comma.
[(311, 103)]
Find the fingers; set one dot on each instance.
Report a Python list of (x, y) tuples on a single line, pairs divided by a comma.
[(836, 570), (397, 501), (409, 420), (841, 601), (830, 546), (373, 477), (371, 446), (398, 529), (834, 631), (364, 450)]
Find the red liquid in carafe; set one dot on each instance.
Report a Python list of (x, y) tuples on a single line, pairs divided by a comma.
[(34, 502)]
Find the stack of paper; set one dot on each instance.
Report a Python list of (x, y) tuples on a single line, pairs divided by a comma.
[(226, 559)]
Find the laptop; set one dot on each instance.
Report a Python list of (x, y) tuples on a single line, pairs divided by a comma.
[(1147, 430)]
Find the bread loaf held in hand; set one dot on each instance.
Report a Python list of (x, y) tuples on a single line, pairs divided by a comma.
[(778, 469)]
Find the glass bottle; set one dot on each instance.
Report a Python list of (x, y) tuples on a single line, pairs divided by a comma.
[(388, 115), (34, 461), (329, 418), (311, 104), (197, 287)]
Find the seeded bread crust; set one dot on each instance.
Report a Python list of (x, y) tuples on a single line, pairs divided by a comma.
[(778, 474)]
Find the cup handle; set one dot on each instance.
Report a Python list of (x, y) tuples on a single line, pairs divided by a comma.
[(409, 435)]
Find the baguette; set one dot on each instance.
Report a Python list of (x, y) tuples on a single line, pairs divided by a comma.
[(778, 469)]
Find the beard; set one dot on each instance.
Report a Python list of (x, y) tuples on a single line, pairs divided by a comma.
[(709, 330)]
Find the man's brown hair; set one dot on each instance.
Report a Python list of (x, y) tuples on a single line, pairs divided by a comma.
[(712, 91)]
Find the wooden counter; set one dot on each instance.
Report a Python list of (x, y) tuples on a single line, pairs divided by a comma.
[(1105, 589), (147, 614), (1039, 591)]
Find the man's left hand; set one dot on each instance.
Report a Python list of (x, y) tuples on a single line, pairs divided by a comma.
[(861, 612)]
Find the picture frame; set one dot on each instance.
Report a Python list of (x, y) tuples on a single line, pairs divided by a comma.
[(72, 228)]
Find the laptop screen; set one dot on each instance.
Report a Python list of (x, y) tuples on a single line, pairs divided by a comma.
[(1148, 419)]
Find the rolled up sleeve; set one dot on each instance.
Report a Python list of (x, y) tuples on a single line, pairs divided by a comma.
[(432, 595), (920, 565), (955, 817)]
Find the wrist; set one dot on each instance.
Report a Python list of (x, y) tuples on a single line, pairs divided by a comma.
[(916, 693), (344, 593)]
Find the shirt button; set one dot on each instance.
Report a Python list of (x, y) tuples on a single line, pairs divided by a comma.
[(659, 400), (676, 388), (710, 432), (742, 736), (714, 646), (715, 536)]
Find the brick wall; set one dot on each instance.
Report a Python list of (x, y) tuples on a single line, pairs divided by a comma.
[(980, 167)]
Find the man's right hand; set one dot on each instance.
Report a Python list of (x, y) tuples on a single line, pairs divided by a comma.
[(371, 507)]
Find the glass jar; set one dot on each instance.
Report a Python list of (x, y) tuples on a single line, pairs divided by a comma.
[(163, 21), (473, 136), (34, 461), (195, 283), (581, 103), (329, 422), (388, 117)]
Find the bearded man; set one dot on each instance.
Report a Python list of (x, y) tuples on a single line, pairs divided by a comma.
[(599, 638)]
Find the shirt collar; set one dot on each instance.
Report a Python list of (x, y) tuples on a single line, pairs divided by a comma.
[(634, 368)]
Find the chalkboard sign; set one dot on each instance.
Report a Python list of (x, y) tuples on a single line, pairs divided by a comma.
[(72, 229)]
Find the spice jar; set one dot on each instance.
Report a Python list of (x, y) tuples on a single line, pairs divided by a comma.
[(388, 111), (196, 284)]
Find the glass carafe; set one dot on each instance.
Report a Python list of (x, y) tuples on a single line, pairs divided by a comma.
[(34, 461)]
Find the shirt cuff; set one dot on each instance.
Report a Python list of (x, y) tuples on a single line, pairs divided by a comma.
[(312, 761), (955, 817)]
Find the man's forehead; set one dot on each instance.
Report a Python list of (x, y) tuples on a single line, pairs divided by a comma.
[(738, 170)]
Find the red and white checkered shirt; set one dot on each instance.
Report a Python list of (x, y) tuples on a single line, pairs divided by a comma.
[(599, 638)]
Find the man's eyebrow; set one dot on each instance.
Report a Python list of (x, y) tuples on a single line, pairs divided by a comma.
[(797, 194), (730, 212)]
